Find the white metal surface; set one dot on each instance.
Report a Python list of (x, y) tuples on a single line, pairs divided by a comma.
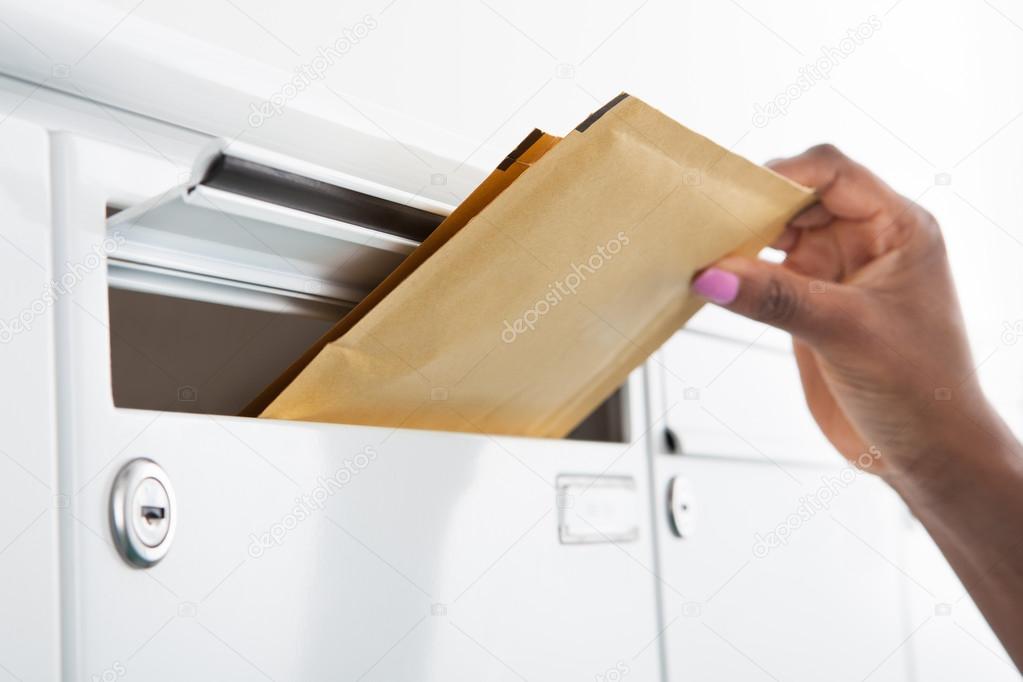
[(162, 72), (736, 398), (787, 573), (30, 498)]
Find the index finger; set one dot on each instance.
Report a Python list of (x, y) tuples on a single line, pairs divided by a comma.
[(846, 189)]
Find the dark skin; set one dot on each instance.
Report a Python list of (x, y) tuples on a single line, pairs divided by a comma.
[(866, 292)]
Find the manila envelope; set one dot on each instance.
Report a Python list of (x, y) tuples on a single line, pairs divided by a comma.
[(534, 300)]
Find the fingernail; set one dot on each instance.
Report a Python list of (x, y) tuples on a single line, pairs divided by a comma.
[(717, 286)]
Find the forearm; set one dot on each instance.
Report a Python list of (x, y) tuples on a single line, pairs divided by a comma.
[(968, 493)]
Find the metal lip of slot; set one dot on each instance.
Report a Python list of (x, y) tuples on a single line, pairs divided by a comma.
[(255, 180), (266, 201), (164, 281)]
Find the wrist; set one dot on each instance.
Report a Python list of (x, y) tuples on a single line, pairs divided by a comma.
[(963, 447)]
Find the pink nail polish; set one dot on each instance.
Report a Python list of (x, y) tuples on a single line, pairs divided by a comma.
[(717, 286)]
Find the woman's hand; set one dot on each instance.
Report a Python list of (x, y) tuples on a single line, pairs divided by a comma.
[(866, 292)]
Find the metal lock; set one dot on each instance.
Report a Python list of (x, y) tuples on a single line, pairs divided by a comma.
[(682, 507), (142, 512)]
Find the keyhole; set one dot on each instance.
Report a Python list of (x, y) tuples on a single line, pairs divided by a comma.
[(153, 515)]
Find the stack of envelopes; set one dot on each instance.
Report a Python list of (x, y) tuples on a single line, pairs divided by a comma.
[(560, 274)]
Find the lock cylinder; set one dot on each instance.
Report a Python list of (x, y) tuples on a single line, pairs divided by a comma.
[(142, 512)]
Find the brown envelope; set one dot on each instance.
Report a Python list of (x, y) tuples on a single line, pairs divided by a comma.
[(558, 276)]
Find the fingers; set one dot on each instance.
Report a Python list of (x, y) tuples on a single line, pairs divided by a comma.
[(853, 223), (815, 215), (846, 189), (778, 296), (787, 240), (821, 254)]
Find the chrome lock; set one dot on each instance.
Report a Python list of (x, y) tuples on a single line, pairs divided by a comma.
[(682, 507), (142, 512)]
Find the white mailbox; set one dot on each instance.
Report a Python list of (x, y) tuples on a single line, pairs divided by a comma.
[(300, 551)]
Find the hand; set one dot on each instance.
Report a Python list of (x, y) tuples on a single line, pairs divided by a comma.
[(867, 294)]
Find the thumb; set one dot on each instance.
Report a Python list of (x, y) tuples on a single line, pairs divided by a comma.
[(773, 294)]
